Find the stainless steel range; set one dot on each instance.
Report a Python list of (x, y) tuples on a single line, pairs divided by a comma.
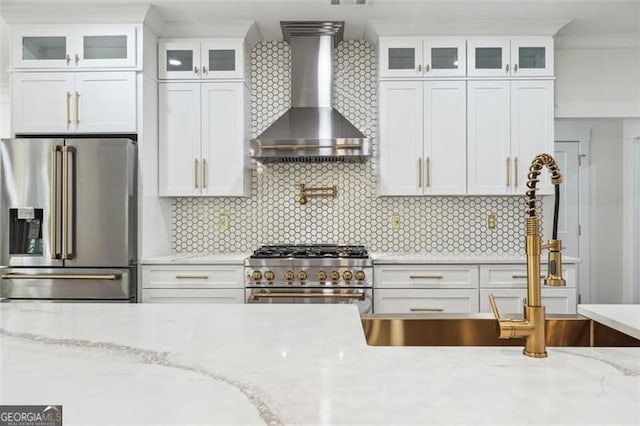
[(310, 274)]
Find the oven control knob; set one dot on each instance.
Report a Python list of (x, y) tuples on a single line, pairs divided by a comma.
[(335, 275), (256, 275), (347, 275), (321, 275), (302, 276), (289, 276), (269, 275), (360, 276)]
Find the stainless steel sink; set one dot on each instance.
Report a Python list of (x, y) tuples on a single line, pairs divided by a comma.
[(443, 330)]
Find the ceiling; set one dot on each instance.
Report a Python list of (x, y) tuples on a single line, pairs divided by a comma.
[(603, 17)]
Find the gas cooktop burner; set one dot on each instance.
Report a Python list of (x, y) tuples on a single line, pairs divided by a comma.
[(309, 251)]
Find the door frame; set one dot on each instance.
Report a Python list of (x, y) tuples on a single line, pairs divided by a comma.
[(581, 136), (630, 229)]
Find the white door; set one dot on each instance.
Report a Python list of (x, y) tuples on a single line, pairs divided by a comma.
[(488, 57), (566, 154), (401, 57), (445, 137), (179, 139), (488, 137), (445, 57), (401, 142), (532, 131), (105, 102), (223, 139), (532, 56), (179, 59), (104, 46), (42, 102), (43, 46), (222, 58)]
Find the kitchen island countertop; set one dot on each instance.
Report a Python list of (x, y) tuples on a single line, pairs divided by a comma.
[(289, 364), (624, 318)]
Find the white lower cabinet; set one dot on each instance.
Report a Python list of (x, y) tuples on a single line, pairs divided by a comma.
[(193, 284), (397, 301)]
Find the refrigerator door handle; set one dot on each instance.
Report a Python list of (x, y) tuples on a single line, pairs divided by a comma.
[(53, 225), (67, 212)]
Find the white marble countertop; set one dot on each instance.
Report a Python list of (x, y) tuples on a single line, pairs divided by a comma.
[(289, 364), (624, 318), (381, 258), (230, 258), (386, 258)]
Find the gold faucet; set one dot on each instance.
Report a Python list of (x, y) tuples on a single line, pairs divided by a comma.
[(532, 327)]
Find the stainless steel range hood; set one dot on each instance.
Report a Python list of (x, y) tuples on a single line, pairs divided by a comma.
[(311, 130)]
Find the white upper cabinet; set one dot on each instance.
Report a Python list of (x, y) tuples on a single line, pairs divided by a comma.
[(509, 123), (74, 46), (422, 57), (196, 59), (74, 102), (422, 137), (510, 57), (202, 139)]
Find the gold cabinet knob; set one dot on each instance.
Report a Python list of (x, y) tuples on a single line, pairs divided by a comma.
[(360, 275), (335, 275), (321, 275), (256, 275), (269, 275), (289, 276), (347, 275), (302, 276)]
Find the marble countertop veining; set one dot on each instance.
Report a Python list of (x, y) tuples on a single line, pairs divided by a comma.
[(289, 364), (624, 318)]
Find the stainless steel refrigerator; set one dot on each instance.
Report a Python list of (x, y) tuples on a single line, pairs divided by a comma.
[(68, 214)]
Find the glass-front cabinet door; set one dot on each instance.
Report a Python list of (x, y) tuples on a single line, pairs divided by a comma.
[(532, 56), (401, 57), (222, 58), (445, 57), (488, 57), (106, 46), (179, 59), (42, 46)]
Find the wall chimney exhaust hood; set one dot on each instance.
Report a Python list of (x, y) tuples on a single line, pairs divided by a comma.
[(311, 130)]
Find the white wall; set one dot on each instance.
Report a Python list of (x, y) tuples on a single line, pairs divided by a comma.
[(5, 117), (606, 206), (597, 82)]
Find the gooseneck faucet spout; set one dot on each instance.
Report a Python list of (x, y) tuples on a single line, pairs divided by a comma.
[(532, 327)]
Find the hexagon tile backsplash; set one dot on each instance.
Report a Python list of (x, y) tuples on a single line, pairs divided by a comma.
[(273, 215)]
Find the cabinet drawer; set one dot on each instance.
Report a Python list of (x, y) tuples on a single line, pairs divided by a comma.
[(190, 295), (510, 301), (185, 277), (515, 276), (425, 301), (423, 276)]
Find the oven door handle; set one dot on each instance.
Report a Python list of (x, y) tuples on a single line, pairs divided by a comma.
[(274, 295)]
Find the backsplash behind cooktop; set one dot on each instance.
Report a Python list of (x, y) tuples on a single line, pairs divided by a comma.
[(273, 215)]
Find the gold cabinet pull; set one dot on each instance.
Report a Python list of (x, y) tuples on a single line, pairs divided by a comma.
[(53, 224), (109, 277), (68, 59), (427, 67), (195, 173), (519, 276), (195, 70), (419, 68), (68, 108), (515, 68), (77, 59), (515, 171), (426, 309), (204, 173), (192, 277), (77, 108), (424, 277), (420, 172), (506, 68), (427, 171), (508, 170), (204, 70)]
